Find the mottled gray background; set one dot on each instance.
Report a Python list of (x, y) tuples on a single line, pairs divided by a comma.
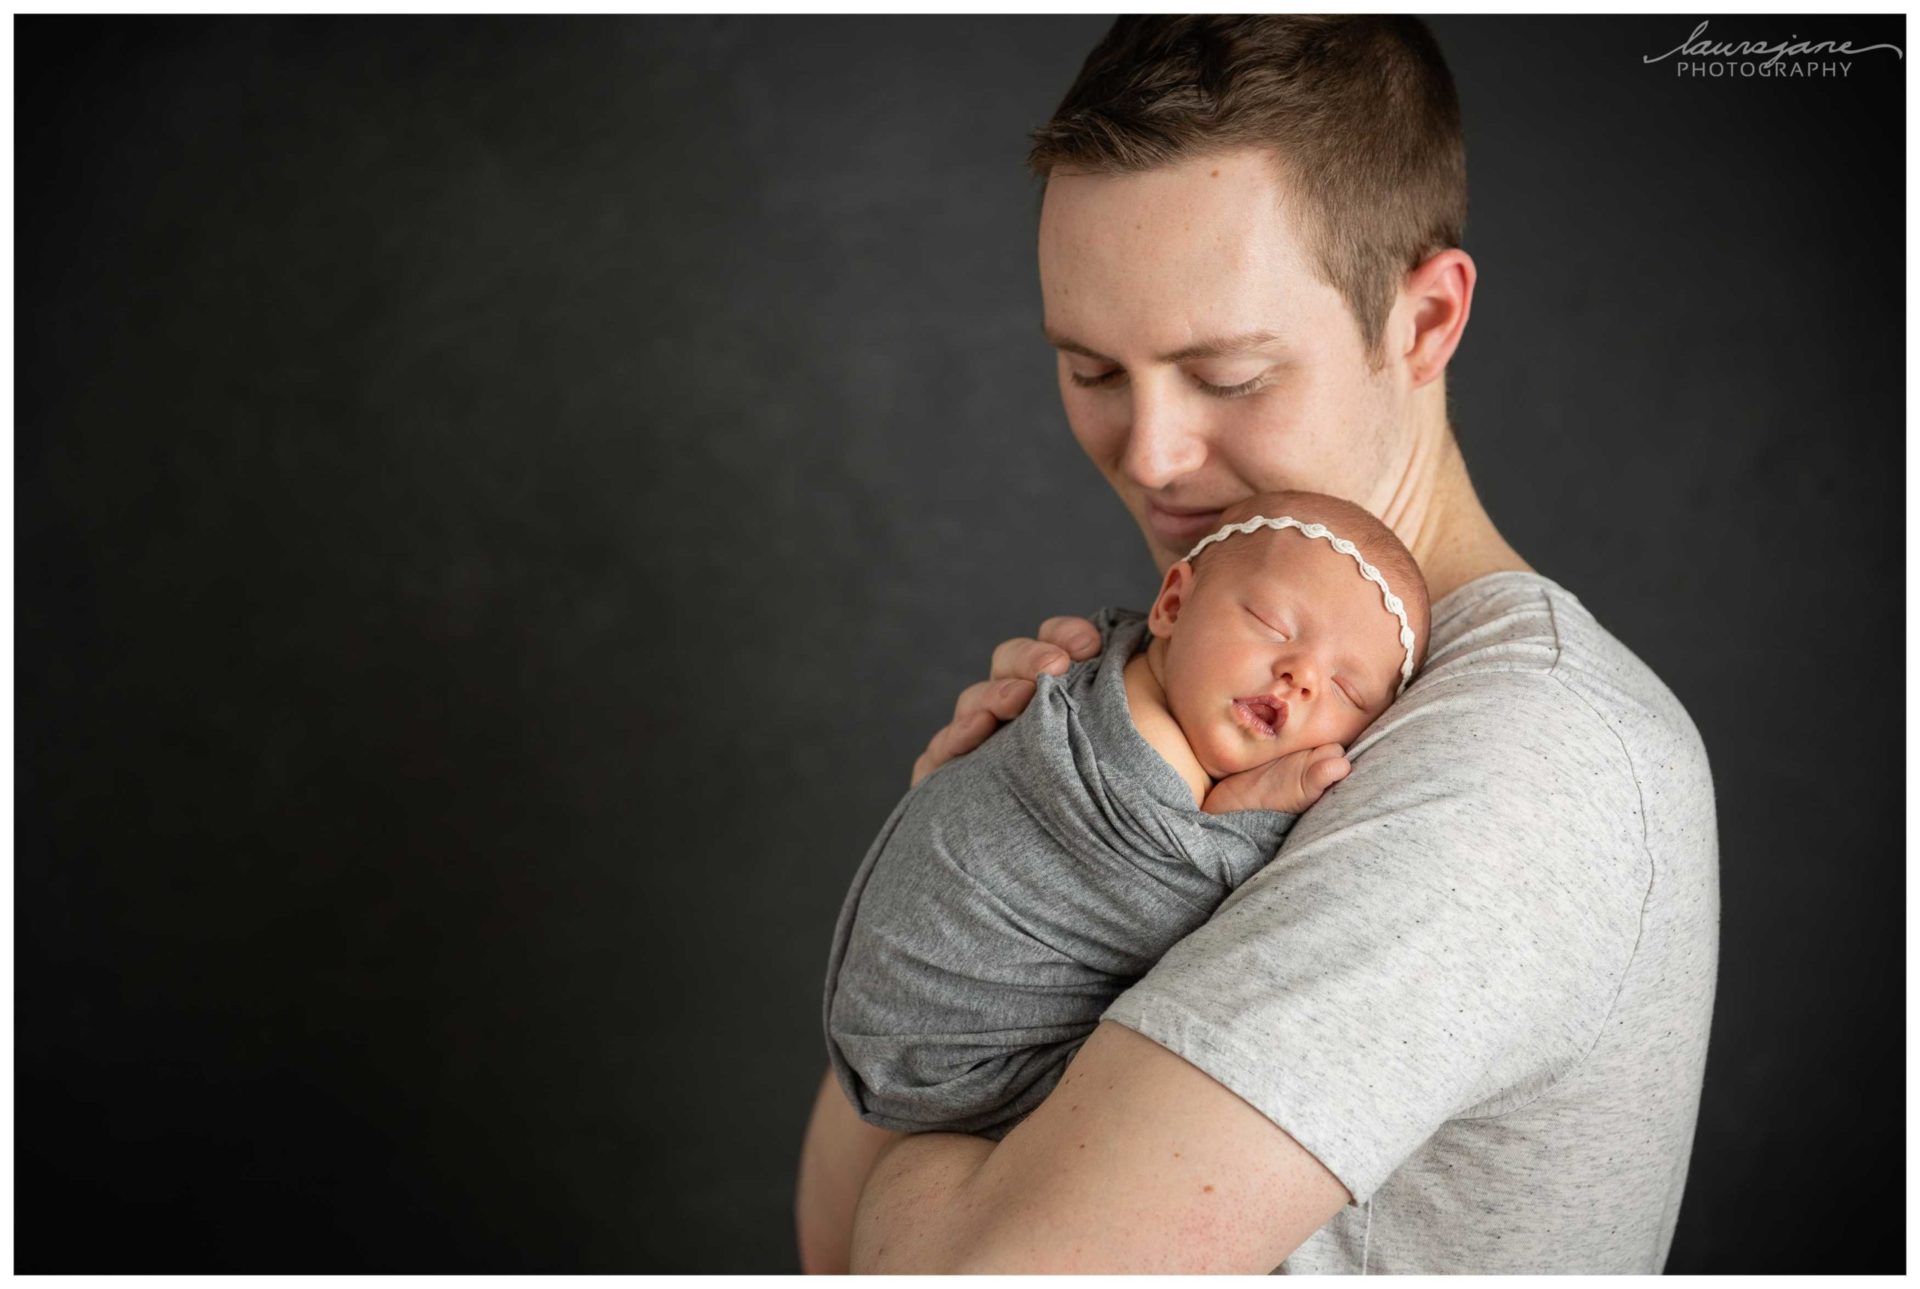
[(501, 504)]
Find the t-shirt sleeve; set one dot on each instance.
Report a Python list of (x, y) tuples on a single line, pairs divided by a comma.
[(1442, 935)]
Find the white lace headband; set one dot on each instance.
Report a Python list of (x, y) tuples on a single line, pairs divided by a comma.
[(1393, 602)]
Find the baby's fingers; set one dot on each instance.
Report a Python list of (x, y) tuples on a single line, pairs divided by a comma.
[(1326, 766)]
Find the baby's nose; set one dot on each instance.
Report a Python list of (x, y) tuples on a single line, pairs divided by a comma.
[(1303, 688)]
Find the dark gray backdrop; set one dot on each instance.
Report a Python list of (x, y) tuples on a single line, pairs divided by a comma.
[(501, 504)]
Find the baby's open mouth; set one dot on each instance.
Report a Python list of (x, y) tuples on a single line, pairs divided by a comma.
[(1264, 716)]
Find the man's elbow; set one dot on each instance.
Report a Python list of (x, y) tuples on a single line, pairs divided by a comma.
[(819, 1258), (920, 1250), (823, 1232), (815, 1266), (988, 1252), (904, 1256)]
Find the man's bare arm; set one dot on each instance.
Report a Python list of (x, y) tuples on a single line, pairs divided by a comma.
[(840, 1148), (835, 1160), (1137, 1162)]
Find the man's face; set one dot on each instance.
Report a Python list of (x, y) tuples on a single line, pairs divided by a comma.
[(1281, 647), (1200, 359)]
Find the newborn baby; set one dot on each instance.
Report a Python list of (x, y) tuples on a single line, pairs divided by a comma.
[(1016, 891)]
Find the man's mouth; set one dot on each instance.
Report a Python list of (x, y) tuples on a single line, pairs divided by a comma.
[(1181, 528), (1264, 716)]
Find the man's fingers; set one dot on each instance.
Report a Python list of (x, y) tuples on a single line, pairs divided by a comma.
[(1076, 635), (1023, 659), (956, 738), (962, 735), (1010, 687), (1006, 699), (972, 699)]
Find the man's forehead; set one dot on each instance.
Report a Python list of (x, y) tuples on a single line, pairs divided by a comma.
[(1229, 205), (1171, 260)]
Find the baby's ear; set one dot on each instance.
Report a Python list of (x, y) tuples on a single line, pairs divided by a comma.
[(1175, 589)]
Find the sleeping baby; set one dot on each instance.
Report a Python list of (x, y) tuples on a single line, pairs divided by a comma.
[(1016, 891)]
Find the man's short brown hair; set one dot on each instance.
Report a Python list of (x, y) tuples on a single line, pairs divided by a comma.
[(1359, 112)]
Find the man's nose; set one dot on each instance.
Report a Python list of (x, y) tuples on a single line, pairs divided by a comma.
[(1164, 440)]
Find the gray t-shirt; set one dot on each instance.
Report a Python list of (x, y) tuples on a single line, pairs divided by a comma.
[(1012, 894), (1476, 982)]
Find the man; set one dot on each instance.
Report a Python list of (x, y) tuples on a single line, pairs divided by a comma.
[(1459, 1024)]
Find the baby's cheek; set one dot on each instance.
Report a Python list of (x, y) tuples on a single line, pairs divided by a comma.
[(1353, 729), (1229, 752), (1289, 742), (1215, 752)]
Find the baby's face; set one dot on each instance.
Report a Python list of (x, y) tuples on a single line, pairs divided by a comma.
[(1284, 648)]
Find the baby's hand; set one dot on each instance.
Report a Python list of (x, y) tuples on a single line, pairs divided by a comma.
[(1292, 783)]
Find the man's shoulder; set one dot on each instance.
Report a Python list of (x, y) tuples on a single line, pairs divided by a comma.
[(1533, 722), (1517, 644)]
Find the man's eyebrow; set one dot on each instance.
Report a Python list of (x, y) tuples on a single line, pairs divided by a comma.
[(1218, 347), (1221, 347)]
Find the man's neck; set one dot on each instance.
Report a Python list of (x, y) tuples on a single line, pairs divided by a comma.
[(1435, 511)]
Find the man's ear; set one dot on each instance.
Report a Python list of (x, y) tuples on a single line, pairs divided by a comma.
[(1436, 301), (1175, 589)]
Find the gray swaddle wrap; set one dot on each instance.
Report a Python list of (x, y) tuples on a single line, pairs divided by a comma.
[(1013, 894)]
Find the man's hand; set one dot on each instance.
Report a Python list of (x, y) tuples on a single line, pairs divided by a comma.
[(1291, 784), (1008, 688)]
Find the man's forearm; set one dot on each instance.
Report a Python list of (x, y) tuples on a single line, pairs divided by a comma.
[(916, 1209), (835, 1160)]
